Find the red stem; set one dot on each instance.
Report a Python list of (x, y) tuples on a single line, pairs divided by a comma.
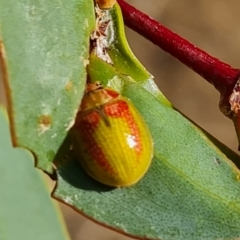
[(218, 73)]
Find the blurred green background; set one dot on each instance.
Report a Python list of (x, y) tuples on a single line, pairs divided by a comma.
[(210, 25)]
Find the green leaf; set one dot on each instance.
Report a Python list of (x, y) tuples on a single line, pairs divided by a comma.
[(119, 50), (44, 51), (124, 62), (27, 212), (191, 191)]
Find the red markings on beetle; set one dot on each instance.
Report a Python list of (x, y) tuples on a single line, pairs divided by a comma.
[(112, 141), (87, 124), (120, 109), (112, 93), (90, 120)]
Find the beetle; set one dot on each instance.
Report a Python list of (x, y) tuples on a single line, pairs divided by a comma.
[(111, 139)]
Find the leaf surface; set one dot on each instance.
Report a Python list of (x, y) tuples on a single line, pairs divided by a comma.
[(27, 211), (192, 190), (44, 52)]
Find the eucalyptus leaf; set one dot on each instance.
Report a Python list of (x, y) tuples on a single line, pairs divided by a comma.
[(44, 51), (27, 211), (191, 191)]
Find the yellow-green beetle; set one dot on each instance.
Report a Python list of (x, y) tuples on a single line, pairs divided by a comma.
[(111, 139)]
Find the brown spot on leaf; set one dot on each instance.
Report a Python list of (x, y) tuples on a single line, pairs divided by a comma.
[(45, 120), (44, 123)]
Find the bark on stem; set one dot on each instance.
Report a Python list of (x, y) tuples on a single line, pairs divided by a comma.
[(218, 73)]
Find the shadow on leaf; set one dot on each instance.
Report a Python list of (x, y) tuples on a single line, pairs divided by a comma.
[(71, 171)]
